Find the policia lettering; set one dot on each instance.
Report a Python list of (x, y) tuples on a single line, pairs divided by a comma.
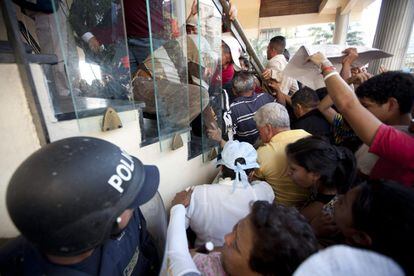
[(123, 173)]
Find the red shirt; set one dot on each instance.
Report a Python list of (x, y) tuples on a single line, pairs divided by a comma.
[(136, 21), (226, 75), (396, 155)]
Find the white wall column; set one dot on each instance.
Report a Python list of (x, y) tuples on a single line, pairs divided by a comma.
[(341, 27), (393, 32)]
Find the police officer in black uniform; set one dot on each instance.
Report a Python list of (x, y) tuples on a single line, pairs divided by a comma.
[(76, 203)]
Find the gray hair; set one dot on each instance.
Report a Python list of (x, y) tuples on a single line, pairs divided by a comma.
[(243, 82), (273, 114)]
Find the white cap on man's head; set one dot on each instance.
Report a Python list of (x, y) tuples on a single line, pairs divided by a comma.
[(233, 150), (235, 49)]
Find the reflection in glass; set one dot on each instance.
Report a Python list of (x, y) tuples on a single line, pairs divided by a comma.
[(161, 79), (112, 48), (92, 73), (99, 33), (209, 32)]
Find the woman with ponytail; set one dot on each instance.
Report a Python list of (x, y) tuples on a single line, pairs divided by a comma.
[(326, 169)]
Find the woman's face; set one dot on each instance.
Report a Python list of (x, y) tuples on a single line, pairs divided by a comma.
[(300, 176), (343, 210), (237, 247)]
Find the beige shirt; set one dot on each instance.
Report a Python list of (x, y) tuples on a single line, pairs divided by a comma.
[(277, 64), (274, 168)]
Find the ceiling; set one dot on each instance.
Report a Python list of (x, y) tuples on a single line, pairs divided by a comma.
[(288, 7)]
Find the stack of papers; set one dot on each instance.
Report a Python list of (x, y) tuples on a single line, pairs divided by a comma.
[(309, 74)]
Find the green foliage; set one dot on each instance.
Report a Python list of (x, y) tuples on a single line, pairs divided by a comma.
[(322, 35), (354, 38), (260, 46)]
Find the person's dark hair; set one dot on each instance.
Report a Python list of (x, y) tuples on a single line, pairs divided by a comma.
[(385, 211), (243, 82), (335, 165), (394, 84), (278, 43), (306, 97), (226, 172), (283, 239), (321, 92)]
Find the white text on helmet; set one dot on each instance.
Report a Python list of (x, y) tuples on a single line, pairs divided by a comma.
[(123, 173)]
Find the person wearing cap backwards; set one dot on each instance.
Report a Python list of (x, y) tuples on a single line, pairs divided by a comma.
[(230, 62), (215, 208), (76, 203)]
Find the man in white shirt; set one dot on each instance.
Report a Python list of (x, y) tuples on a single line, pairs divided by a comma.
[(276, 65), (215, 208)]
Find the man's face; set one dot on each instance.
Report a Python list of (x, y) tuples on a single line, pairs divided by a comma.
[(191, 29), (298, 111), (225, 57), (343, 211), (270, 52), (381, 111), (300, 176), (237, 247), (265, 133)]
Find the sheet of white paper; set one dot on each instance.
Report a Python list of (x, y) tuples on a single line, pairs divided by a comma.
[(302, 70), (334, 53), (308, 73)]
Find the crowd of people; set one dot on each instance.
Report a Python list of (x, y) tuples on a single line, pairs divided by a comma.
[(310, 182), (340, 159)]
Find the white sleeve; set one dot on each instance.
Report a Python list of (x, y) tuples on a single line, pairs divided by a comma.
[(178, 258), (276, 69)]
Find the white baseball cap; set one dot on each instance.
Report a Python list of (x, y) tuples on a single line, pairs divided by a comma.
[(235, 49), (231, 152)]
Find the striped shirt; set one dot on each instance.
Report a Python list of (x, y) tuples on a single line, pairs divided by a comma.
[(242, 111)]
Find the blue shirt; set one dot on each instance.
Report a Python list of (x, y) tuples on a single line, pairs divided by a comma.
[(242, 111), (131, 253)]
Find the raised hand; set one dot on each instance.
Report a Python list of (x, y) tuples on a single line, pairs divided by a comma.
[(359, 79), (183, 197), (351, 54)]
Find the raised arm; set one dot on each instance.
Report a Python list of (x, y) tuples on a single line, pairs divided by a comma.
[(363, 122), (351, 55), (281, 97), (325, 107), (178, 259)]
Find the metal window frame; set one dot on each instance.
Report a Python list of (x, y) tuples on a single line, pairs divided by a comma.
[(22, 60)]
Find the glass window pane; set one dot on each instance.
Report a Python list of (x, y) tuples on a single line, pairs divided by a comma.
[(93, 70), (204, 54), (161, 78)]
